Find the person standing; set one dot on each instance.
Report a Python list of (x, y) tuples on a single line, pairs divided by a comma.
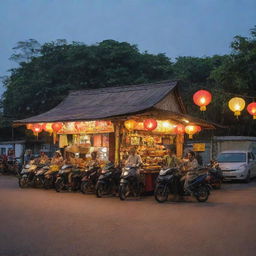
[(171, 160)]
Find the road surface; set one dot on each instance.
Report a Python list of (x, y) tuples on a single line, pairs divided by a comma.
[(39, 222)]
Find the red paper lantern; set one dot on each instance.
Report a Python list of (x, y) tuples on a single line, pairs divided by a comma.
[(56, 127), (150, 124), (251, 108), (202, 98), (37, 128), (180, 129), (198, 128)]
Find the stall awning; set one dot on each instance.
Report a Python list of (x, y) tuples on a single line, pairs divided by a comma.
[(104, 103)]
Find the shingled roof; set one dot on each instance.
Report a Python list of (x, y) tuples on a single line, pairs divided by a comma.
[(105, 102)]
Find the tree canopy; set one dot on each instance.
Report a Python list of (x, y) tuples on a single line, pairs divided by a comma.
[(46, 73)]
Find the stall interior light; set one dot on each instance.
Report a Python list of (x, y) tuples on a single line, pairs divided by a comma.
[(186, 121)]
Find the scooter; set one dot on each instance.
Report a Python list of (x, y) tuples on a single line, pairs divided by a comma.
[(130, 183), (215, 175), (108, 181), (50, 176), (27, 175), (40, 176), (169, 179), (62, 180), (89, 179)]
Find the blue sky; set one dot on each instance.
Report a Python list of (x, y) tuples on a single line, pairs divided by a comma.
[(175, 27)]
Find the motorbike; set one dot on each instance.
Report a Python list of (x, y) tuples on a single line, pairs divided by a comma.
[(130, 183), (169, 179), (40, 176), (89, 179), (215, 175), (27, 175), (50, 176), (62, 180), (108, 181)]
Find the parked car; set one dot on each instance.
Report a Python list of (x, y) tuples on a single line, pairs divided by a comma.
[(237, 165)]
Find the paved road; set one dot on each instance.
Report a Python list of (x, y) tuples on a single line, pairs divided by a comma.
[(39, 222)]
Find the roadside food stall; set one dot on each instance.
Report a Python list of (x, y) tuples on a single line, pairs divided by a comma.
[(149, 117)]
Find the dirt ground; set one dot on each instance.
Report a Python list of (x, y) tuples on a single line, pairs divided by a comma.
[(43, 222)]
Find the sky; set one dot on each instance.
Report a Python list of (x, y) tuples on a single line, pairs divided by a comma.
[(174, 27)]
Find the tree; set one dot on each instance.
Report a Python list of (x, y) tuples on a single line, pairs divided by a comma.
[(45, 78)]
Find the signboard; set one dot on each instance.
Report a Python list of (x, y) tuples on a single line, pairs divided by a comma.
[(199, 146), (88, 127)]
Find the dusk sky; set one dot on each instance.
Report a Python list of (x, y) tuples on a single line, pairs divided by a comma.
[(174, 27)]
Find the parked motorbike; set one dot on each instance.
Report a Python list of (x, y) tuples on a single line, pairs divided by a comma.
[(215, 175), (40, 176), (50, 176), (167, 184), (130, 183), (27, 175), (108, 181), (62, 180), (89, 179)]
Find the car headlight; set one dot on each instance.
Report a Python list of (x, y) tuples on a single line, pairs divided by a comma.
[(242, 168)]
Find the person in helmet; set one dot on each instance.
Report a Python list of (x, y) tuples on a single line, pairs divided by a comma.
[(57, 159)]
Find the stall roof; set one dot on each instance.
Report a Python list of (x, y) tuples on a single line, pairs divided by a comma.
[(105, 102), (117, 103)]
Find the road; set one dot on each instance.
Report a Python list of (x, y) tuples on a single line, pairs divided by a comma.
[(39, 222)]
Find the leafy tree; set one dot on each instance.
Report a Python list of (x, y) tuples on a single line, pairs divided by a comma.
[(42, 82)]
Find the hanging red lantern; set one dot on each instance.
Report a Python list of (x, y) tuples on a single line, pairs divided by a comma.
[(150, 124), (202, 98), (36, 128), (180, 129), (191, 130), (251, 108), (198, 128), (56, 128)]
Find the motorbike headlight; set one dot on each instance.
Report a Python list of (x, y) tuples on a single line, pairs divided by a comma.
[(126, 173)]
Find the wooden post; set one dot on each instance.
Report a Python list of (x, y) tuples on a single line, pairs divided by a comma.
[(179, 145), (117, 142)]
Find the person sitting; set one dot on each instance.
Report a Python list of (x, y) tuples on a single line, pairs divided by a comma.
[(134, 160), (191, 169), (43, 159), (171, 160), (57, 159), (94, 162)]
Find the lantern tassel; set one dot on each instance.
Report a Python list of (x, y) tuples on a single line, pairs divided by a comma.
[(203, 108)]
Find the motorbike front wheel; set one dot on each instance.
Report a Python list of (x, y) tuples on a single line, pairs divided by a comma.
[(84, 186), (123, 191), (59, 185), (161, 194), (202, 194), (23, 182), (99, 190)]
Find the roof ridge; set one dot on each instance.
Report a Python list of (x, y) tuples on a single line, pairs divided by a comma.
[(134, 87)]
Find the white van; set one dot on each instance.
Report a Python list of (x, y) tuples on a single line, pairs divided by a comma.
[(237, 165)]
